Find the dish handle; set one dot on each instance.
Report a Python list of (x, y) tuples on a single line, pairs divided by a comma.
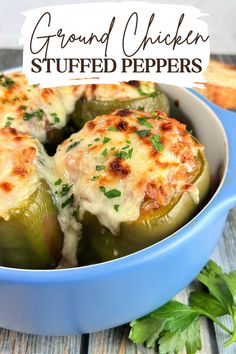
[(228, 120)]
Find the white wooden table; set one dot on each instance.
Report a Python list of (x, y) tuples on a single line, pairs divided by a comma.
[(115, 341)]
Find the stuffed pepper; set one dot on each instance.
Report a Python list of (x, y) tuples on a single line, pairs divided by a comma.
[(136, 178), (30, 234), (103, 99), (43, 113)]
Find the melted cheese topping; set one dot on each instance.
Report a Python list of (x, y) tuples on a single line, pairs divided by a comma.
[(124, 90), (18, 175), (32, 110), (126, 162)]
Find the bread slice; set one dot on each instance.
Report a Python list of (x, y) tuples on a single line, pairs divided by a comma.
[(221, 84)]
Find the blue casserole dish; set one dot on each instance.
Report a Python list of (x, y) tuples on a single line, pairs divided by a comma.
[(97, 297)]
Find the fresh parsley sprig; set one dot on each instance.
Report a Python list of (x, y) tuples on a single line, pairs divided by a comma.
[(175, 326)]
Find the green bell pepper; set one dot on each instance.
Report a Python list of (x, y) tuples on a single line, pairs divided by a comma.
[(88, 109), (31, 238), (98, 244)]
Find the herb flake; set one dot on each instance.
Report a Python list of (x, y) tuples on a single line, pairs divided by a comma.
[(143, 121), (34, 114), (6, 82), (99, 167), (143, 133), (156, 143)]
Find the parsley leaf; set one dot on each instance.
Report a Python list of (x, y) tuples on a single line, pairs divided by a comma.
[(39, 113), (175, 342), (146, 330), (130, 152), (156, 143), (112, 129), (58, 182), (116, 207), (175, 326), (143, 121), (68, 201), (94, 178), (100, 167), (71, 146), (106, 140), (65, 188), (105, 152), (112, 193), (55, 118), (121, 154), (212, 277), (6, 82), (142, 133)]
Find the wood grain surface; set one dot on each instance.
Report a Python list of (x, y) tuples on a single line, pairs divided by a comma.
[(115, 341)]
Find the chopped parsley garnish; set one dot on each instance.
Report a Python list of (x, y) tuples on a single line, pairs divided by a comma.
[(112, 193), (58, 182), (68, 201), (94, 178), (156, 143), (190, 132), (130, 152), (141, 108), (143, 133), (37, 114), (128, 141), (121, 155), (55, 118), (104, 153), (113, 148), (16, 98), (9, 121), (154, 114), (90, 145), (143, 121), (64, 189), (112, 129), (6, 82), (106, 140), (116, 207), (74, 144), (125, 147), (100, 167), (97, 139), (148, 94), (23, 107)]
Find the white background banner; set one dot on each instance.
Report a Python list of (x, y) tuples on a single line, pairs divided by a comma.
[(114, 42)]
